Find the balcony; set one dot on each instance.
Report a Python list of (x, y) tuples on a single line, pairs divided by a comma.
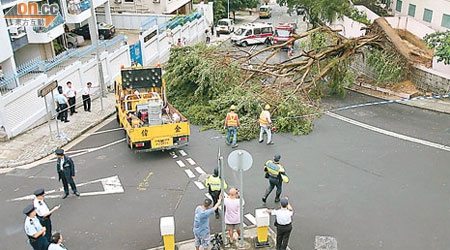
[(77, 12), (20, 42), (46, 34)]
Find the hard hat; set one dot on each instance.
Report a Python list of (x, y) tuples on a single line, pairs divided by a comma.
[(233, 107), (277, 157), (267, 106), (216, 172)]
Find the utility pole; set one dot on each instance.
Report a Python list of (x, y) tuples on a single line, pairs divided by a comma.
[(94, 38)]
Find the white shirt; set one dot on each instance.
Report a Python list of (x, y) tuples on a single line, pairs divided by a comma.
[(70, 92), (41, 207), (32, 226), (61, 163), (86, 91), (283, 216), (55, 246)]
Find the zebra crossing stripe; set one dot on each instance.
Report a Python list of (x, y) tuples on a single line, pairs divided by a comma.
[(190, 161), (251, 218), (199, 185), (174, 155), (181, 164), (199, 170), (189, 173), (182, 153)]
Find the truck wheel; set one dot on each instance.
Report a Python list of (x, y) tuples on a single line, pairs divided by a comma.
[(244, 44), (117, 116)]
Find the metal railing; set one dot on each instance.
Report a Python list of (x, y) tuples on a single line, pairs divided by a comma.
[(77, 8), (179, 21), (57, 21)]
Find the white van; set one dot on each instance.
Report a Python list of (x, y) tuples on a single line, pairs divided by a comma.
[(225, 26), (253, 33)]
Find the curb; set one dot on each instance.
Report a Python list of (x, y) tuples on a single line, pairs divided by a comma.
[(43, 155), (383, 98)]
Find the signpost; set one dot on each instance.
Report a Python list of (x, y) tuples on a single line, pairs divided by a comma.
[(222, 191), (240, 161), (42, 92)]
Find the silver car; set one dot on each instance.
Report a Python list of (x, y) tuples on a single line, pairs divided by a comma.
[(74, 40)]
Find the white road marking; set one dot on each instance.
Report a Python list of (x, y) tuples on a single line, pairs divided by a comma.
[(181, 164), (251, 218), (102, 131), (389, 133), (192, 162), (111, 185), (182, 153), (174, 155), (245, 225), (208, 196), (189, 173), (199, 170), (325, 243), (90, 150), (199, 185)]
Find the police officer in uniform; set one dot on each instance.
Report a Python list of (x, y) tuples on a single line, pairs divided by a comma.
[(43, 213), (34, 230), (274, 172), (213, 184), (62, 105), (56, 243), (66, 172)]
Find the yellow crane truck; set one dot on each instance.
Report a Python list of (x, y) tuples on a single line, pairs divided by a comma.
[(150, 122)]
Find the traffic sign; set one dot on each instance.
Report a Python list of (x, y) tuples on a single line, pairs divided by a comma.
[(240, 159)]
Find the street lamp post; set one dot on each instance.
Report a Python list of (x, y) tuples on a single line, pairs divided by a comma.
[(94, 37)]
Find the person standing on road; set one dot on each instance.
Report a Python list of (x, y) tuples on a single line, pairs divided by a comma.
[(232, 124), (232, 212), (265, 123), (66, 172), (201, 223), (208, 36), (34, 230), (213, 185), (43, 213), (283, 222), (71, 95), (61, 105), (56, 242), (274, 170)]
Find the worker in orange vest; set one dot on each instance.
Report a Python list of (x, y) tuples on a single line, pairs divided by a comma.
[(231, 124), (265, 124)]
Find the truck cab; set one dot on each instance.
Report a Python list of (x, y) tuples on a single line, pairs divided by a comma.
[(283, 33)]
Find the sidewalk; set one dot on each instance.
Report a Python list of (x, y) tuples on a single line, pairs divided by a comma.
[(249, 241), (36, 143)]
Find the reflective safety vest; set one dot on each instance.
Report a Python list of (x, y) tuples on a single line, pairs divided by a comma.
[(263, 118), (273, 169), (214, 183), (232, 119)]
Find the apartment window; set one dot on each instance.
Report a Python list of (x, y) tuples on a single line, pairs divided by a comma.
[(398, 7), (412, 10), (427, 15), (446, 21)]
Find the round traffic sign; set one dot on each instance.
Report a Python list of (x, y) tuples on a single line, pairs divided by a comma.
[(240, 159)]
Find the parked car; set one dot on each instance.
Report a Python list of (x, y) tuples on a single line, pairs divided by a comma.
[(74, 40), (105, 31), (253, 33), (225, 26), (265, 12)]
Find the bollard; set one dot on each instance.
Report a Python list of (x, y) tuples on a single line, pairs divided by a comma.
[(262, 224), (167, 226)]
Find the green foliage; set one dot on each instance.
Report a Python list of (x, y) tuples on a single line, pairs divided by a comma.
[(373, 5), (220, 7), (358, 16), (389, 66), (203, 86), (440, 41)]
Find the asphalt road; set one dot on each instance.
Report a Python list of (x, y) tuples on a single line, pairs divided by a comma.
[(367, 189)]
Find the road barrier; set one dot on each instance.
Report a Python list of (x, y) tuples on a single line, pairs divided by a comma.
[(167, 226), (262, 227)]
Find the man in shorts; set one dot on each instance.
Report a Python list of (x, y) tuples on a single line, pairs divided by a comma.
[(201, 223), (232, 213)]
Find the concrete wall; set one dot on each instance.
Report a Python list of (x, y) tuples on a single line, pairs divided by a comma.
[(439, 7), (5, 40), (429, 80), (410, 24), (27, 53), (208, 11), (22, 108), (150, 6), (131, 20)]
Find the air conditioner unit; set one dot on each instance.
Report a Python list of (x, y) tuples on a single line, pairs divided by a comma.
[(156, 1)]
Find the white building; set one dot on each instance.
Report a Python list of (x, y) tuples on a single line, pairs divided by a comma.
[(152, 6), (434, 14)]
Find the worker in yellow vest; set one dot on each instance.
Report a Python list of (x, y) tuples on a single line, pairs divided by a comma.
[(213, 185), (276, 175), (232, 124), (265, 124)]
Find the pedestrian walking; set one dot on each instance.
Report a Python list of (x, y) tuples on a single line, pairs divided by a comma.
[(232, 213), (56, 242), (213, 185), (208, 36), (71, 95), (179, 44), (66, 172), (86, 96), (61, 105), (265, 123), (34, 230), (201, 223), (283, 223), (43, 213), (232, 124), (274, 172)]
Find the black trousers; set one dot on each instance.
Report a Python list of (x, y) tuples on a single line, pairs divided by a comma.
[(215, 196), (72, 105), (86, 102), (283, 233), (41, 243), (274, 182), (66, 182), (62, 115), (47, 223)]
